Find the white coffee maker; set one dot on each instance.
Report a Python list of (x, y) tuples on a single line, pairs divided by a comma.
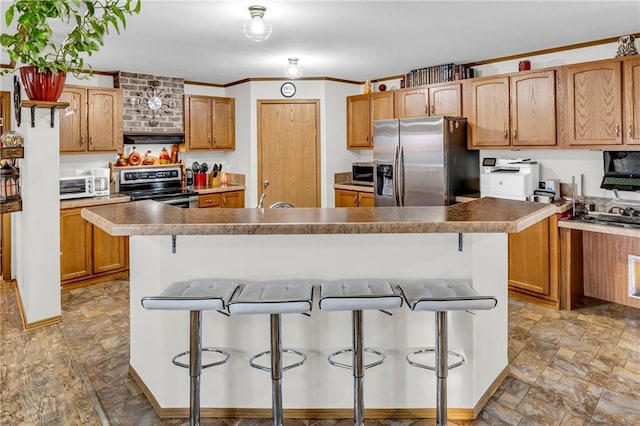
[(101, 180)]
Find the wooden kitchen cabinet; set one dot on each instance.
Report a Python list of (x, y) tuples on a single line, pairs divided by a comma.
[(534, 259), (349, 198), (425, 101), (93, 120), (88, 255), (513, 111), (229, 199), (631, 101), (362, 110), (209, 123)]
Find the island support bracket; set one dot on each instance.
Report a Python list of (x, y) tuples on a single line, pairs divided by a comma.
[(460, 241), (173, 244)]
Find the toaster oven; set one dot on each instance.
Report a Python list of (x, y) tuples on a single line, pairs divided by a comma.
[(362, 174), (77, 187)]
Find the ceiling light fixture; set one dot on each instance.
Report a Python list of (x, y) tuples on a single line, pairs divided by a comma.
[(293, 70), (256, 28)]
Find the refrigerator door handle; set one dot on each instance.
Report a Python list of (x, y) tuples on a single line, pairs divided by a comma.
[(401, 174), (394, 175)]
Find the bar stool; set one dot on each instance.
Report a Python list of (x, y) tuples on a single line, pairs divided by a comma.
[(357, 295), (441, 296), (195, 296), (275, 298)]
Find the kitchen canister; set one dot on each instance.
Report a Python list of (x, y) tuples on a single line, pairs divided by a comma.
[(11, 138)]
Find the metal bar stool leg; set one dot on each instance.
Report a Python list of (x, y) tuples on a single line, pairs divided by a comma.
[(358, 368), (195, 367), (442, 369), (276, 371)]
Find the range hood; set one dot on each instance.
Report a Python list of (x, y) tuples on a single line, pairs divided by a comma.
[(131, 138)]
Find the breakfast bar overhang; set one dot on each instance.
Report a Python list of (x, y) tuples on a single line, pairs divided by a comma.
[(467, 241)]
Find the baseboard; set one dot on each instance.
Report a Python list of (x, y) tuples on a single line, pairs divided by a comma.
[(23, 316), (320, 413), (112, 276)]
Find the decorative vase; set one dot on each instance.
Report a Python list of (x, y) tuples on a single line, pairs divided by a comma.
[(42, 86)]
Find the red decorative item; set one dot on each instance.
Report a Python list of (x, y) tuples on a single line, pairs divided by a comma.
[(382, 87), (42, 86), (524, 66)]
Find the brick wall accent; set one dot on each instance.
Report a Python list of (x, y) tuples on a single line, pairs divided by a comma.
[(136, 118)]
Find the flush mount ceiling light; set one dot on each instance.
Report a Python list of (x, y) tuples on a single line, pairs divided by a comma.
[(256, 28), (293, 70)]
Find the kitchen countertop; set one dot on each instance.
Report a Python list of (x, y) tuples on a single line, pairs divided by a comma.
[(94, 201), (484, 215), (353, 187), (579, 225), (220, 188), (561, 205)]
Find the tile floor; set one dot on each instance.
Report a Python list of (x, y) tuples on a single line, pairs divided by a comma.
[(567, 368)]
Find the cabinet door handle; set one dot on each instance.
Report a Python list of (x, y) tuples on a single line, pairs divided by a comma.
[(215, 140), (630, 130), (355, 200), (208, 201), (433, 109), (224, 202), (506, 134), (515, 134), (82, 141), (209, 139), (91, 141), (617, 130)]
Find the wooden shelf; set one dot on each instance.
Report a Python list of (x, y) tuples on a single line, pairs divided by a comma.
[(10, 206), (43, 104), (9, 152), (143, 166)]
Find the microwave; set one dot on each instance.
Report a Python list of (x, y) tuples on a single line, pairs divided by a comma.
[(77, 187), (362, 174)]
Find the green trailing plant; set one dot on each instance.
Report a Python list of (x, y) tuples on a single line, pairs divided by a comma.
[(33, 43)]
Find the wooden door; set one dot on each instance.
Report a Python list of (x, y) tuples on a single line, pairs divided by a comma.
[(346, 198), (533, 109), (73, 119), (381, 107), (366, 199), (631, 126), (104, 119), (109, 252), (446, 100), (412, 103), (224, 123), (594, 104), (289, 151), (198, 119), (75, 245), (233, 200), (358, 135), (490, 112), (529, 254)]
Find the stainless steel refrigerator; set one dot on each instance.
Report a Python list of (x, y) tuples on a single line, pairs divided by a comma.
[(423, 161)]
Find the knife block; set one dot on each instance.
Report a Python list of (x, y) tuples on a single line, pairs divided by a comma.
[(214, 181)]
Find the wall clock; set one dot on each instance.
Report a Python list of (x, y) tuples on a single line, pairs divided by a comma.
[(288, 89)]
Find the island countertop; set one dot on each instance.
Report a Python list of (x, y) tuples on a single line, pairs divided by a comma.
[(484, 215)]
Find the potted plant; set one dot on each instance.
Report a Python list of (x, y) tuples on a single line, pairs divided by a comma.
[(44, 60)]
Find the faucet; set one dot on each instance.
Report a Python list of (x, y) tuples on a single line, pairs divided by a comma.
[(264, 188)]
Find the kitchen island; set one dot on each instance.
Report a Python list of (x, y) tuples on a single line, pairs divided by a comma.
[(463, 241)]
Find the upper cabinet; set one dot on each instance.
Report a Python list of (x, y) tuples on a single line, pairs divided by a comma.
[(442, 99), (362, 110), (513, 111), (209, 123), (603, 104), (93, 120)]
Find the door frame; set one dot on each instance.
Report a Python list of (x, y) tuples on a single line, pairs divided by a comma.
[(316, 102), (5, 239)]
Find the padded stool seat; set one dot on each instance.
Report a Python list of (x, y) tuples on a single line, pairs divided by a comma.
[(195, 296), (274, 298), (357, 295), (441, 296)]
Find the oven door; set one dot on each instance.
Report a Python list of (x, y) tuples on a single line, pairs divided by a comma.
[(190, 202)]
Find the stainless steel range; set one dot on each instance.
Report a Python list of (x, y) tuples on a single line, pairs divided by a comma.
[(162, 184)]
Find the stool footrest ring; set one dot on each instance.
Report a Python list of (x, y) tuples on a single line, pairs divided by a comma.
[(331, 357), (212, 364), (431, 367), (285, 367)]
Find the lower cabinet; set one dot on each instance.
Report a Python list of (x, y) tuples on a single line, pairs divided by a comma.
[(88, 255), (349, 198), (230, 200), (534, 258)]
